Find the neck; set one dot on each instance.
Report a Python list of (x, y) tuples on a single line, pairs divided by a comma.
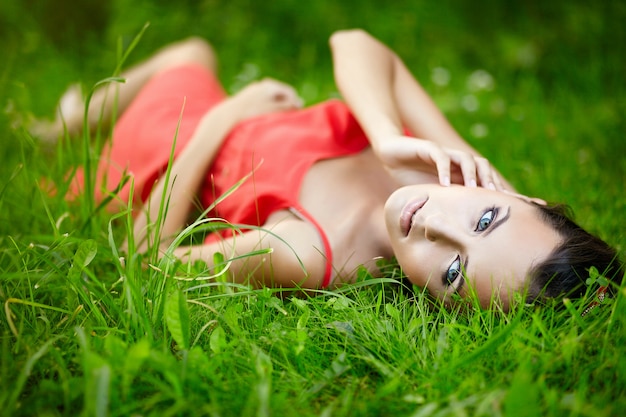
[(379, 231)]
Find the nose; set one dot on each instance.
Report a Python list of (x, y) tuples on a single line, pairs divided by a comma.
[(439, 228)]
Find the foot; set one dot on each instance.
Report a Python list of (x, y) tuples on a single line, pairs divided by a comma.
[(67, 117), (46, 131), (71, 103)]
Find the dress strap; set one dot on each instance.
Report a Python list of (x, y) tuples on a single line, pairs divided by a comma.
[(328, 269)]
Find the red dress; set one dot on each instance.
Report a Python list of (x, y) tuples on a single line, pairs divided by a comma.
[(276, 150)]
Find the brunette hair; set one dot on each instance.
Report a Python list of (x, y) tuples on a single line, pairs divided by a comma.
[(565, 272)]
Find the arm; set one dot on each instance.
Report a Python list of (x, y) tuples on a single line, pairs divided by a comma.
[(190, 166), (393, 99), (186, 174), (290, 259)]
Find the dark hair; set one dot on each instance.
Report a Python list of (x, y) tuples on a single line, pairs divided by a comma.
[(565, 272)]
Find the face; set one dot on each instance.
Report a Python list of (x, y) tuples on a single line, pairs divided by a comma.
[(448, 239)]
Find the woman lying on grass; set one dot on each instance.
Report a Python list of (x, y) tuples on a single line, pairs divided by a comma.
[(336, 185)]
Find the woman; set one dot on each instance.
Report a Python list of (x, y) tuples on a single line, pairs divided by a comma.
[(336, 185)]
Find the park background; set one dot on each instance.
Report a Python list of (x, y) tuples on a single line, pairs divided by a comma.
[(538, 87)]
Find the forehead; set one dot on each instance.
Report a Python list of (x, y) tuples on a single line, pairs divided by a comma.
[(499, 264)]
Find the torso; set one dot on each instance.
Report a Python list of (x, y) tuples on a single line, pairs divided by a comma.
[(346, 196), (317, 161)]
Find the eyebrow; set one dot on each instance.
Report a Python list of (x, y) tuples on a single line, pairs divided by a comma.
[(498, 223)]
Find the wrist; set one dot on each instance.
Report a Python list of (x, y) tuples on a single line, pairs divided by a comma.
[(226, 113), (382, 133)]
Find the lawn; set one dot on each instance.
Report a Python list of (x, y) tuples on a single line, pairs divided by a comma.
[(538, 87)]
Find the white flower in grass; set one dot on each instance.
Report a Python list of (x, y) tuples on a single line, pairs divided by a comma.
[(470, 103), (480, 80), (440, 76), (479, 130)]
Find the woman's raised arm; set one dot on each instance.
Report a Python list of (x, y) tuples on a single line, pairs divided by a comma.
[(385, 98)]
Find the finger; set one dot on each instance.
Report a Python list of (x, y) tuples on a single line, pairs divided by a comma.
[(281, 92), (468, 167), (497, 179), (288, 103), (287, 97), (485, 173), (442, 162)]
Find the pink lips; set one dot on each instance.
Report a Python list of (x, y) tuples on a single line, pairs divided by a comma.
[(406, 216)]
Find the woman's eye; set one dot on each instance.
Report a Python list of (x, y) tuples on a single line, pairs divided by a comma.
[(485, 220), (454, 271)]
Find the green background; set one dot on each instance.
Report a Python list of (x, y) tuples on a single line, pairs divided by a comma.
[(537, 86)]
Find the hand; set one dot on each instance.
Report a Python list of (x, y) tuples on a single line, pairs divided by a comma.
[(404, 156), (265, 96)]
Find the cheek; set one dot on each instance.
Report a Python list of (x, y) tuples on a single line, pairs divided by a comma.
[(414, 266)]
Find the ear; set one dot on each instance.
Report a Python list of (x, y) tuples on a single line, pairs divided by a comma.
[(539, 201), (527, 199)]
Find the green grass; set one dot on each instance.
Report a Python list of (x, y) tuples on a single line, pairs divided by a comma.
[(84, 332)]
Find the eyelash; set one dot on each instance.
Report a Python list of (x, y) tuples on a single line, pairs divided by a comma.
[(479, 229), (457, 271), (494, 215)]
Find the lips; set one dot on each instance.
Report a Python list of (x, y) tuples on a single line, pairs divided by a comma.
[(407, 214)]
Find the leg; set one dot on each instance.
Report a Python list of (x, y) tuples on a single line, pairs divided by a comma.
[(71, 109)]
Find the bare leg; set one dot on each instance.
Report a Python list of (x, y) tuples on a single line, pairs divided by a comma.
[(70, 112)]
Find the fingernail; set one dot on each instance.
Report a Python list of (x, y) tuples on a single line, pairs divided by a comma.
[(492, 186), (446, 181), (472, 183)]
